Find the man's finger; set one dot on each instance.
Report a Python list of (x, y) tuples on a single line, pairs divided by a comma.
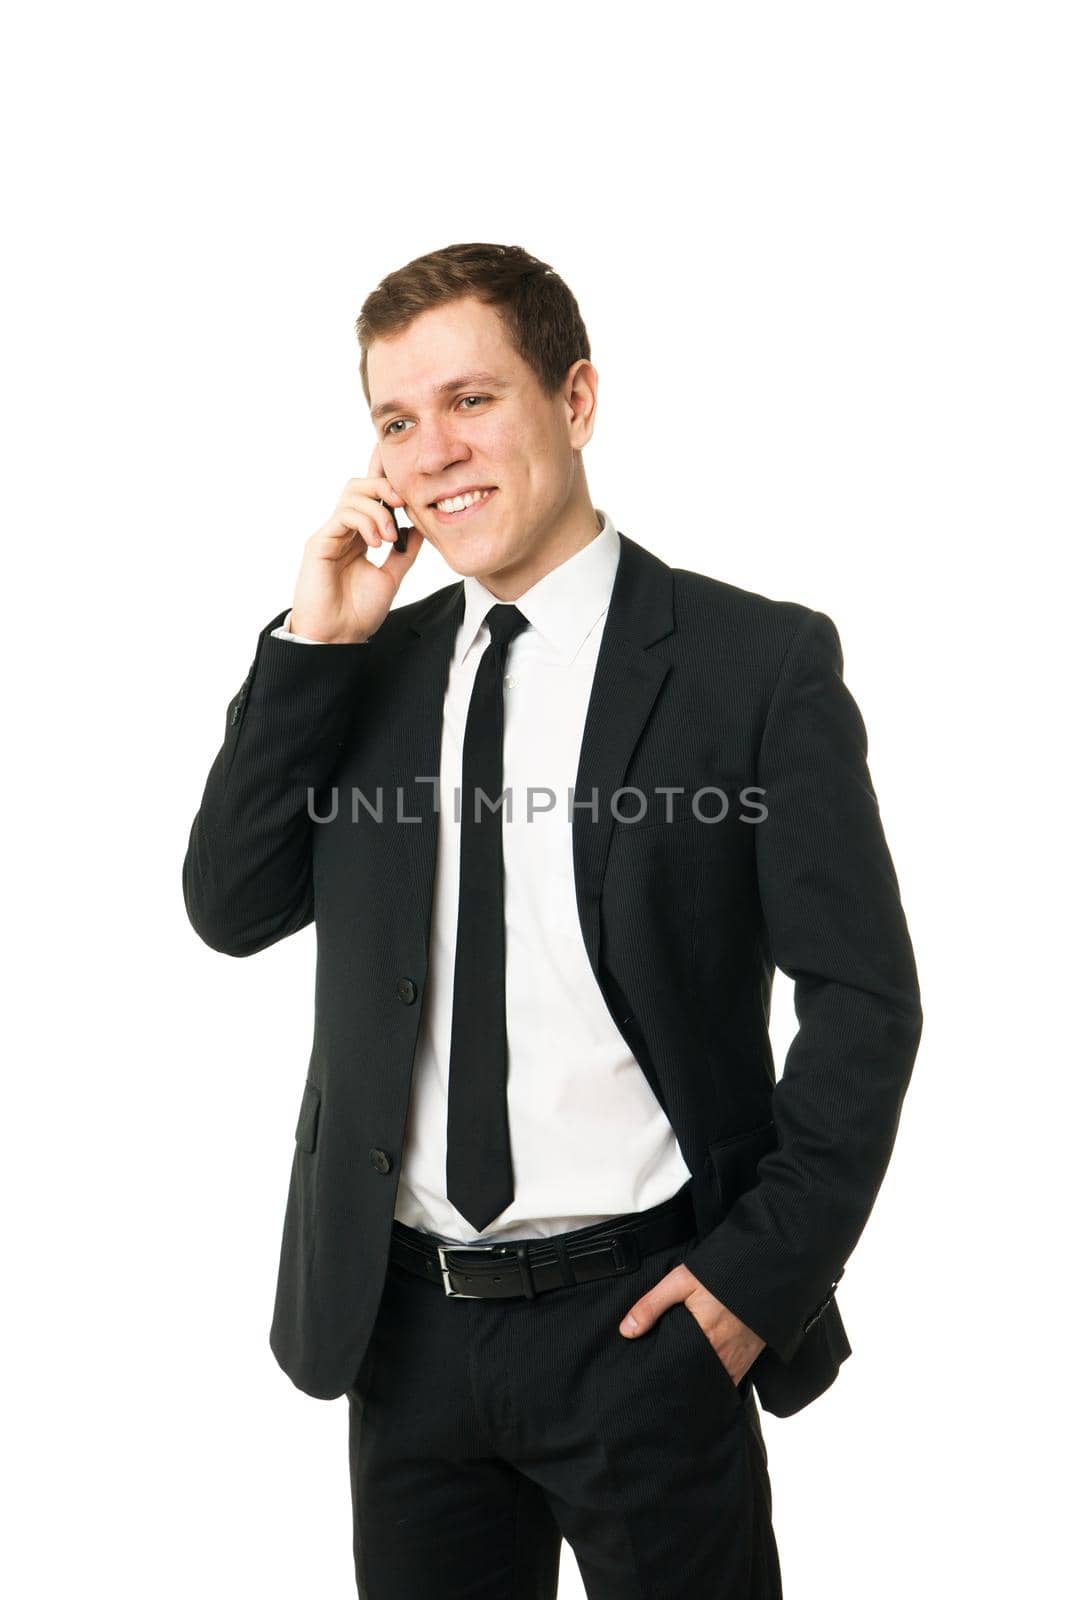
[(651, 1306)]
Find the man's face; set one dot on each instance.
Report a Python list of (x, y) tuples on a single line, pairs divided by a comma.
[(495, 430)]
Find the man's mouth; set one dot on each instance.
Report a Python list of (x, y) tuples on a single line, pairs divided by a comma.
[(456, 508)]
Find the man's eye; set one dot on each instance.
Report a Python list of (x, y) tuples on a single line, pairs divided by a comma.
[(388, 429)]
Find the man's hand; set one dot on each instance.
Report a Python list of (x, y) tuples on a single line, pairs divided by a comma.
[(341, 597), (733, 1341)]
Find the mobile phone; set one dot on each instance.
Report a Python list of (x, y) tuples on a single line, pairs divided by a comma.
[(401, 533)]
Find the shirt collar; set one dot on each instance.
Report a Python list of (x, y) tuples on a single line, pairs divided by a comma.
[(563, 606)]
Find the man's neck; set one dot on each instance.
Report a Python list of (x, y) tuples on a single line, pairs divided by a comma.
[(565, 541)]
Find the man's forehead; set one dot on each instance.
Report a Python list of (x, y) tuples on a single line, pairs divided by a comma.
[(441, 343)]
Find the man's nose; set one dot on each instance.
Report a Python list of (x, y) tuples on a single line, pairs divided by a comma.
[(439, 446)]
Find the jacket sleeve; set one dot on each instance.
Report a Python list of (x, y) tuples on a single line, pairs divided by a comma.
[(834, 924), (247, 874)]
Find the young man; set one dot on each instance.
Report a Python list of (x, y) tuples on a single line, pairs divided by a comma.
[(556, 825)]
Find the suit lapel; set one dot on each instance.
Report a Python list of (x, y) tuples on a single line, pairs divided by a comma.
[(420, 678), (625, 685)]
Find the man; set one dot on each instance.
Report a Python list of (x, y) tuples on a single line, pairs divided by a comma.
[(556, 824)]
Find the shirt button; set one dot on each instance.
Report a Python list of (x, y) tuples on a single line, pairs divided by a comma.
[(406, 990), (380, 1161)]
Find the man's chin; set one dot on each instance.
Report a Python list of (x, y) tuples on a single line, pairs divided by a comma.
[(471, 558)]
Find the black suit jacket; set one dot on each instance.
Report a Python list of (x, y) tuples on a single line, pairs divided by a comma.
[(698, 683)]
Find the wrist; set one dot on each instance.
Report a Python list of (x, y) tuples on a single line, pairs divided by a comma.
[(308, 632)]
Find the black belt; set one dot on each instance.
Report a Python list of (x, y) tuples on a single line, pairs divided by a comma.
[(528, 1267)]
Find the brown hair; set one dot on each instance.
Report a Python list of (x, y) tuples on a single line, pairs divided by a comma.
[(540, 313)]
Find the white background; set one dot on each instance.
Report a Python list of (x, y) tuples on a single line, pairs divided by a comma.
[(820, 254)]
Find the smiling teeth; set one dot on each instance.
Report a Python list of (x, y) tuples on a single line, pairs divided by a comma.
[(463, 500)]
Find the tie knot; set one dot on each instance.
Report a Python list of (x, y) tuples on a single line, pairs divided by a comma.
[(504, 622)]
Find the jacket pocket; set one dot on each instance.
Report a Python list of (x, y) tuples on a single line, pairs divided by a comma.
[(732, 1162), (307, 1124)]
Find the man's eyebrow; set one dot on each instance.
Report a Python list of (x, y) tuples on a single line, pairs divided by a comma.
[(483, 380)]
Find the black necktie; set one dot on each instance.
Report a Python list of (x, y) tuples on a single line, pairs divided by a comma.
[(478, 1175)]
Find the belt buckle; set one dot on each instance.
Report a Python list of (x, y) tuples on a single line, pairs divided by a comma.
[(442, 1252)]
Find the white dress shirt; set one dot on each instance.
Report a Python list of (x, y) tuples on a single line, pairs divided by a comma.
[(589, 1139)]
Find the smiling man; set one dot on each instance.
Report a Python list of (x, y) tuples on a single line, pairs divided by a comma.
[(554, 1221)]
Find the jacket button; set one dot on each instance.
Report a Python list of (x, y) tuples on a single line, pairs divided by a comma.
[(380, 1161), (406, 990), (821, 1307)]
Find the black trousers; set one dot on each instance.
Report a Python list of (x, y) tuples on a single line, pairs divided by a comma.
[(482, 1432)]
